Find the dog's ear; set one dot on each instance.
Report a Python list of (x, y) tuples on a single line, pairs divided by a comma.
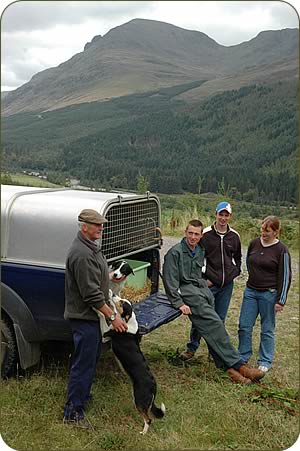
[(115, 264), (127, 310), (129, 270)]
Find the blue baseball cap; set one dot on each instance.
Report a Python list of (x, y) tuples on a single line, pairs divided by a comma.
[(224, 206)]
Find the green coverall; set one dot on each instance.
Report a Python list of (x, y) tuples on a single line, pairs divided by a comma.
[(184, 284)]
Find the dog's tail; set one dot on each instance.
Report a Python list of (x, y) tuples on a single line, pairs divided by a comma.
[(158, 412)]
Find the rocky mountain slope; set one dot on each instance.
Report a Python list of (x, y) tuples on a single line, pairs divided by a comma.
[(145, 55)]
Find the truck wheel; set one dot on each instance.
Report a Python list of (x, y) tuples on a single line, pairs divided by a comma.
[(9, 352)]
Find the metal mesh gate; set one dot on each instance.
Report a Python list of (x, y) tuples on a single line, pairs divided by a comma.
[(131, 227)]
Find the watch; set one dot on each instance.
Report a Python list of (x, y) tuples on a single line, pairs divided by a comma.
[(113, 317)]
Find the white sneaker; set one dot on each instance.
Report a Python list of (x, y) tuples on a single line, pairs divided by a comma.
[(263, 368)]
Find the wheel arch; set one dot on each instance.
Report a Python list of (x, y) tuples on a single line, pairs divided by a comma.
[(25, 328)]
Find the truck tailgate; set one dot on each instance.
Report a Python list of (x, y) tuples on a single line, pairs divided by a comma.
[(153, 312)]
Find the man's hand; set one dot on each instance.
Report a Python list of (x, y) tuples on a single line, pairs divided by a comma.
[(209, 283), (119, 325), (185, 309)]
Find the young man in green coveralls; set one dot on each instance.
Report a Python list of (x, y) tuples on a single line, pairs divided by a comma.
[(188, 291)]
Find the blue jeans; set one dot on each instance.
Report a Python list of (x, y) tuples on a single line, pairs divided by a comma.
[(222, 299), (258, 303), (87, 350)]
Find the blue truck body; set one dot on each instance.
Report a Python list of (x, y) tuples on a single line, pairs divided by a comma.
[(38, 226)]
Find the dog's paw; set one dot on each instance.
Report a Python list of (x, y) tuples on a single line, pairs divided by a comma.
[(146, 427)]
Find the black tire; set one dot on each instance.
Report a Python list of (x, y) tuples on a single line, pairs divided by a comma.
[(9, 350)]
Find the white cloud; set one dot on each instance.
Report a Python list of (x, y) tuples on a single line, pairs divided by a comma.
[(38, 15), (41, 34)]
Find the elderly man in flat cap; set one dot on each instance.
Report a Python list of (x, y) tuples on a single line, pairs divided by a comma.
[(86, 288)]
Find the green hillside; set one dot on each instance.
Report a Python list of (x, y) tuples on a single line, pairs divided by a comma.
[(242, 141)]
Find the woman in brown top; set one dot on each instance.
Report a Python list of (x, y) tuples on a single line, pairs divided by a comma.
[(269, 268)]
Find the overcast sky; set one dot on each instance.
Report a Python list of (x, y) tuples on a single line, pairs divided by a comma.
[(39, 34)]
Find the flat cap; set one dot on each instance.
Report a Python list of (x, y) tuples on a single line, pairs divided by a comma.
[(91, 216)]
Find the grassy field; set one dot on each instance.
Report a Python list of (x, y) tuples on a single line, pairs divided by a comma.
[(29, 180), (205, 411)]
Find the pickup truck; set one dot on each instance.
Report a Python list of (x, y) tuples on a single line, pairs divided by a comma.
[(38, 226)]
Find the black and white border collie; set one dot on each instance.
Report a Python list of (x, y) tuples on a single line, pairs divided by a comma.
[(119, 270), (126, 347)]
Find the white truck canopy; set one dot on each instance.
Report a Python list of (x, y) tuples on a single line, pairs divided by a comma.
[(39, 224)]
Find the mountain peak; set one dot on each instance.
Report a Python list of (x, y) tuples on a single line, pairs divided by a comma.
[(152, 34), (146, 55), (95, 40)]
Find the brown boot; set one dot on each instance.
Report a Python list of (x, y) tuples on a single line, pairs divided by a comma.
[(251, 373), (186, 355), (236, 377)]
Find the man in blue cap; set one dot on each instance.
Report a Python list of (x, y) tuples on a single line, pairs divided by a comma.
[(223, 263)]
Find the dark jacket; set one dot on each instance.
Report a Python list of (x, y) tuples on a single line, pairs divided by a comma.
[(86, 280), (223, 255), (269, 268)]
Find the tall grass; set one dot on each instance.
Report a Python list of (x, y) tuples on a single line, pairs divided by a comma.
[(204, 409), (178, 210)]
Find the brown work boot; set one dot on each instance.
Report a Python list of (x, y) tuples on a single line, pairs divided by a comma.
[(251, 373), (237, 378), (186, 355)]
